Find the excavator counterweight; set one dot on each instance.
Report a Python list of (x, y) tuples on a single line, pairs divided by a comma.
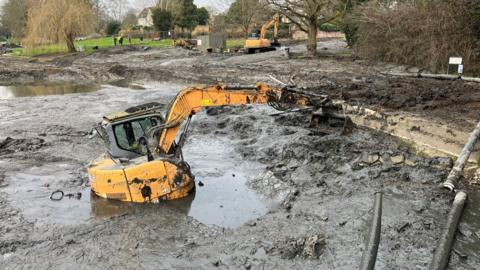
[(144, 161)]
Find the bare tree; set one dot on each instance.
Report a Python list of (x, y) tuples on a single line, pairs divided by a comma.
[(58, 21), (222, 5), (308, 15), (139, 4), (14, 17), (167, 4), (243, 12), (116, 9), (130, 18)]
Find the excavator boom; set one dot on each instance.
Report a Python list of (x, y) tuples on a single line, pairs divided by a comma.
[(193, 99), (164, 175), (274, 22)]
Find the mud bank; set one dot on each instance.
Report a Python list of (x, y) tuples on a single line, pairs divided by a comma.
[(428, 137)]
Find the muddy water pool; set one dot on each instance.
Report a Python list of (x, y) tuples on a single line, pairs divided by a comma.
[(44, 89)]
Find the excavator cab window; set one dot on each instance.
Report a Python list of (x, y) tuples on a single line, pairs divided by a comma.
[(128, 134), (254, 35)]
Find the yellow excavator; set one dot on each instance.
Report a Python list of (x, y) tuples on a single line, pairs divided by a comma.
[(257, 42), (135, 170)]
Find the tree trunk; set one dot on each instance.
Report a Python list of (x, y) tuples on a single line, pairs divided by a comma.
[(312, 38), (70, 43), (245, 30)]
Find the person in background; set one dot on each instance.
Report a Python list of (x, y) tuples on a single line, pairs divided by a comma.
[(120, 40), (114, 40)]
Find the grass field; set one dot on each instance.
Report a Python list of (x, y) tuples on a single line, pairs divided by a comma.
[(105, 42), (232, 43), (88, 45)]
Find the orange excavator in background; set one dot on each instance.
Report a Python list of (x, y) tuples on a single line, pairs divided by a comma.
[(135, 170), (257, 42)]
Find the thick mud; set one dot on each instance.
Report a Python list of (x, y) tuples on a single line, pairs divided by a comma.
[(275, 194)]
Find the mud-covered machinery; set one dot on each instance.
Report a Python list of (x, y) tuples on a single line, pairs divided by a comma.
[(188, 44), (144, 161)]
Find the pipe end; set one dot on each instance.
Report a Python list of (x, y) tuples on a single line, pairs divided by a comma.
[(449, 186)]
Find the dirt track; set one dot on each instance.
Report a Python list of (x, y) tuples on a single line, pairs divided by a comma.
[(317, 184)]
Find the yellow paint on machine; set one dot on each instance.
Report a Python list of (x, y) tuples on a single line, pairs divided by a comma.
[(206, 102), (130, 180)]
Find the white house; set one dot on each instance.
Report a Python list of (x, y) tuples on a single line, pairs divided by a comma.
[(144, 18)]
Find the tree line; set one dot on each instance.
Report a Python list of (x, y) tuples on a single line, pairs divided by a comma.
[(24, 19), (419, 32), (183, 14), (61, 21)]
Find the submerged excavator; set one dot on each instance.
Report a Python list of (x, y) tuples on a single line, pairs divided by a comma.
[(144, 160), (257, 42)]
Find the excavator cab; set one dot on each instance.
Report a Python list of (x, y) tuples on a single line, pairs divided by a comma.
[(128, 134)]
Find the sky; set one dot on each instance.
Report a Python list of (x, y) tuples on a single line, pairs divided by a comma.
[(219, 4)]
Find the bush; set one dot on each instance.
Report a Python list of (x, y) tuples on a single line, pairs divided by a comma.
[(328, 27), (350, 28), (113, 27), (424, 34)]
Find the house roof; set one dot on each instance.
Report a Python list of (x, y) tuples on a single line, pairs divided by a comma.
[(144, 12)]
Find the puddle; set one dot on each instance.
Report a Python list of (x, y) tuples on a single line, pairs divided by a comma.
[(30, 192), (44, 89), (30, 189), (224, 199)]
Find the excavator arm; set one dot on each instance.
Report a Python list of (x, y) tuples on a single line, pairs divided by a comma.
[(191, 100), (274, 22)]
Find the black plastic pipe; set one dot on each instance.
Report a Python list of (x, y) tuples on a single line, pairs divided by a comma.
[(442, 253), (370, 253)]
